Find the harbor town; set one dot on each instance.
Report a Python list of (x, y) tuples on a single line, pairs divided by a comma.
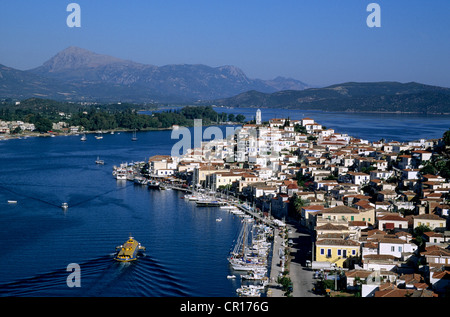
[(376, 213)]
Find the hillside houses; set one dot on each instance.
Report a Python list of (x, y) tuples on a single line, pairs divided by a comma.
[(362, 201)]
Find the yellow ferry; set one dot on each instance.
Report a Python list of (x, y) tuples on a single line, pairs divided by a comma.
[(129, 250)]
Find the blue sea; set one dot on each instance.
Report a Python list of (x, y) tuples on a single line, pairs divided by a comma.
[(186, 248), (370, 126)]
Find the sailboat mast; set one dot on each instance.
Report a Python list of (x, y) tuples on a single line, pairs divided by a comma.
[(244, 241)]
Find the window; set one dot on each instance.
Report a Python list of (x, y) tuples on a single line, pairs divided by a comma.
[(399, 249), (339, 252), (329, 253), (392, 249), (353, 252), (322, 251)]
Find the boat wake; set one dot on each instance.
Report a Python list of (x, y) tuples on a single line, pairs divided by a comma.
[(103, 277)]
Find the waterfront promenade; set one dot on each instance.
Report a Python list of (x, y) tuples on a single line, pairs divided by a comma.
[(274, 289), (301, 276)]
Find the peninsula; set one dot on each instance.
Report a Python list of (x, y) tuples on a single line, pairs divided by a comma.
[(378, 212)]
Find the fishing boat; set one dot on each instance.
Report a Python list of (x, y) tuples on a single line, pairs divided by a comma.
[(245, 264), (139, 180), (208, 203), (255, 275), (237, 211), (249, 291), (122, 172), (191, 197), (129, 250), (153, 184), (227, 207)]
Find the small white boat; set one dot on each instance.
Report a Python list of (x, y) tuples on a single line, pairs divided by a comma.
[(99, 161), (190, 197), (249, 291), (227, 207), (140, 180), (65, 206), (153, 184), (134, 138), (83, 138), (219, 219), (231, 276), (12, 201)]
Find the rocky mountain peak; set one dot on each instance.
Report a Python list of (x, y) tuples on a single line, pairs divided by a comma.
[(75, 58)]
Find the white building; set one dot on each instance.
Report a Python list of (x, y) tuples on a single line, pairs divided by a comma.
[(258, 117), (395, 247)]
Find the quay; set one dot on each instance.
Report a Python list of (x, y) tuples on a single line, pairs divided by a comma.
[(277, 256)]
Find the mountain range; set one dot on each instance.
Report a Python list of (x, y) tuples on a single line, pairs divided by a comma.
[(76, 74), (352, 97)]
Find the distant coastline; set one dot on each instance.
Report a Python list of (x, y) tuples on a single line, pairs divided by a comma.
[(331, 111)]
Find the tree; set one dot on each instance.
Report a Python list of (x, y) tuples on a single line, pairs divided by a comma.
[(428, 169), (231, 117), (17, 130), (300, 129), (240, 118), (418, 234), (299, 203), (446, 138), (42, 124)]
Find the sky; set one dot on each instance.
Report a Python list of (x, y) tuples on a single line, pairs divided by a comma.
[(320, 42)]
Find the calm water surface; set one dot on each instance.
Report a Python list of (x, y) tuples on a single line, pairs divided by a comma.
[(369, 126), (186, 247)]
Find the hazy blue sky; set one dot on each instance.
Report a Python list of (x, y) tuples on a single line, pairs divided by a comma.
[(317, 41)]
